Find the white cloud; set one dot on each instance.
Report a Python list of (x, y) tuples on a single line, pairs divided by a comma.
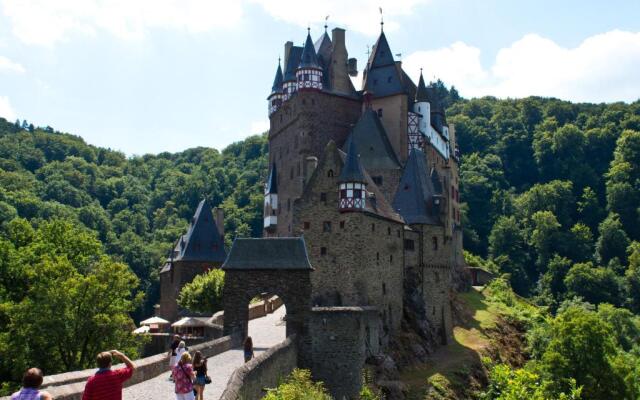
[(11, 66), (258, 127), (6, 111), (603, 67), (45, 22), (357, 15)]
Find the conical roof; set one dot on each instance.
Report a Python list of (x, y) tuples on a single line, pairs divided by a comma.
[(309, 58), (421, 93), (277, 81), (373, 143), (202, 242), (352, 170), (382, 77), (272, 181), (414, 198), (324, 47), (293, 61)]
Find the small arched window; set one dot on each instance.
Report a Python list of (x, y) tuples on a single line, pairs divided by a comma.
[(330, 173)]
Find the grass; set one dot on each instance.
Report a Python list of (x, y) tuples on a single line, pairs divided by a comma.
[(445, 367)]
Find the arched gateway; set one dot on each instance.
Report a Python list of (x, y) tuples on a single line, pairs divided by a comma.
[(268, 265)]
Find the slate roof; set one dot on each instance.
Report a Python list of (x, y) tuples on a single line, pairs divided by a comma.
[(372, 143), (324, 47), (309, 59), (352, 170), (268, 254), (382, 76), (272, 181), (414, 197), (438, 119), (202, 242), (421, 93), (293, 61), (277, 81)]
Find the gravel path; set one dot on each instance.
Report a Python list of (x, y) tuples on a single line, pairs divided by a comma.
[(266, 332)]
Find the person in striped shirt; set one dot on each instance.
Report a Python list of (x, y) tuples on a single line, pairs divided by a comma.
[(107, 383)]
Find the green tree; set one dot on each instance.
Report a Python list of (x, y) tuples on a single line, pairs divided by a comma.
[(613, 240), (204, 293), (594, 284)]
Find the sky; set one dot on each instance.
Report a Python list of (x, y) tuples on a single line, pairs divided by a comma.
[(146, 76)]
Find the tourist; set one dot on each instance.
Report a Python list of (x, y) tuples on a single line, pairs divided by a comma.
[(248, 349), (106, 384), (200, 366), (183, 377), (31, 381), (172, 353), (182, 348)]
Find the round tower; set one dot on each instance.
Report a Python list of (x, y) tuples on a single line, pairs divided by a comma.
[(353, 186), (275, 98), (309, 72), (422, 106)]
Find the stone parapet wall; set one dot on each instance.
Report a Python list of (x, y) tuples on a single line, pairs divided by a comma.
[(70, 385), (263, 372)]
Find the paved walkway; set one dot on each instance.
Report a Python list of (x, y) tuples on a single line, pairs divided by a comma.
[(266, 332)]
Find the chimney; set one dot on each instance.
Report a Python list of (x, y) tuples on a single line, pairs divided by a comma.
[(287, 50), (218, 216), (352, 67), (310, 165), (340, 81)]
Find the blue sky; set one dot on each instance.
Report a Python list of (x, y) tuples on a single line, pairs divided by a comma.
[(145, 76)]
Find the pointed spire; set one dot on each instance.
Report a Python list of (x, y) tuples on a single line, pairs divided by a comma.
[(272, 181), (309, 58), (203, 241), (421, 92), (352, 170), (277, 81)]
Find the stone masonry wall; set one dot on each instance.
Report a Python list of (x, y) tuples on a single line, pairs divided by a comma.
[(357, 256), (265, 371), (302, 127), (339, 347)]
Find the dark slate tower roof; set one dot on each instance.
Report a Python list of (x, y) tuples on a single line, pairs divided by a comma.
[(414, 198), (309, 59), (324, 47), (202, 242), (268, 254), (277, 81), (373, 143), (272, 181), (293, 61), (421, 93), (438, 119), (352, 170), (382, 76)]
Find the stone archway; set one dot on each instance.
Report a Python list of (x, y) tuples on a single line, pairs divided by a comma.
[(272, 265)]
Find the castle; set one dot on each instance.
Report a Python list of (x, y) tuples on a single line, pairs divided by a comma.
[(369, 178), (361, 212)]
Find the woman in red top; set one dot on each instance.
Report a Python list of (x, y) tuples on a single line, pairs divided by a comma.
[(183, 377)]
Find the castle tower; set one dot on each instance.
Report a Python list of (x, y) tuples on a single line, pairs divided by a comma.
[(292, 56), (353, 186), (309, 72), (420, 119), (275, 98), (196, 252)]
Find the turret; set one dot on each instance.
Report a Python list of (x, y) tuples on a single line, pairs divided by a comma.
[(275, 98), (271, 200), (353, 186), (422, 106), (291, 62), (309, 72)]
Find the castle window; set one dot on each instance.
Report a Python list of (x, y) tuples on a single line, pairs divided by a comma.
[(291, 173), (409, 245), (341, 224), (453, 192), (330, 173), (384, 288), (326, 226), (390, 257), (323, 251), (377, 256), (323, 197), (398, 231), (389, 231), (288, 204), (435, 242), (306, 225), (380, 112), (377, 180), (373, 227)]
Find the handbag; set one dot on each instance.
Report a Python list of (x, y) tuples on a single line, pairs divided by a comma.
[(207, 380)]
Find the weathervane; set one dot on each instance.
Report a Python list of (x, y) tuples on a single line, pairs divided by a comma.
[(381, 20), (325, 23)]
